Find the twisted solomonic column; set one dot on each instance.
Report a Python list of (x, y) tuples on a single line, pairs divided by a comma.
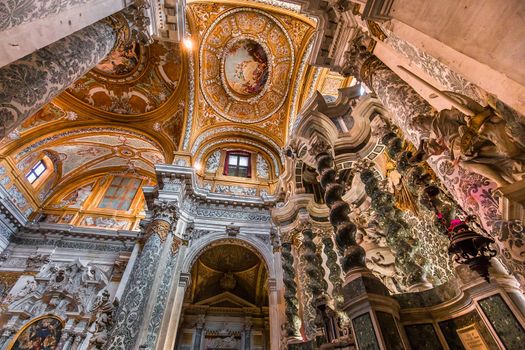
[(411, 113), (396, 231), (293, 322), (311, 279), (334, 274), (132, 315), (313, 265), (353, 256)]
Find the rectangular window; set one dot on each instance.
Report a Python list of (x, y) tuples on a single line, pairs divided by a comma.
[(36, 171), (120, 193), (237, 164)]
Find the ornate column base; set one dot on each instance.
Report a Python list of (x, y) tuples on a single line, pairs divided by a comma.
[(364, 296)]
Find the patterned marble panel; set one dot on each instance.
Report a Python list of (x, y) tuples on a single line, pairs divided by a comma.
[(510, 332), (364, 332), (134, 300), (160, 305), (449, 329), (423, 337), (16, 12), (32, 81), (390, 331)]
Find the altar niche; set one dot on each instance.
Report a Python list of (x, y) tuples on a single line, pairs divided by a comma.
[(226, 303)]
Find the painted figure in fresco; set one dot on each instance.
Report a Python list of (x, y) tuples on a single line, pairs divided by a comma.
[(41, 335), (246, 67), (481, 143), (121, 60)]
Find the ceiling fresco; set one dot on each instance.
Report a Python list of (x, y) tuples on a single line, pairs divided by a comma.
[(132, 79), (84, 153), (248, 61), (143, 105)]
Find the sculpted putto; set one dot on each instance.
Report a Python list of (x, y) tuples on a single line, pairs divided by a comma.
[(482, 143)]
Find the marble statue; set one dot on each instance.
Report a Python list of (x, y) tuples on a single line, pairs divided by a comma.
[(481, 143), (105, 310)]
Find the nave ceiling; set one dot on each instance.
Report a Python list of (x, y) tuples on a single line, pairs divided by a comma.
[(236, 89)]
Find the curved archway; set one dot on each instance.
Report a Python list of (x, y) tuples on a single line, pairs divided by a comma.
[(270, 323), (227, 302)]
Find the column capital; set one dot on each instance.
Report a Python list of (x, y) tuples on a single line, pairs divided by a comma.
[(166, 211), (360, 50), (319, 146), (158, 227)]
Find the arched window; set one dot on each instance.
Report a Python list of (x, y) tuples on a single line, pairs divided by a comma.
[(36, 171), (238, 163), (39, 172)]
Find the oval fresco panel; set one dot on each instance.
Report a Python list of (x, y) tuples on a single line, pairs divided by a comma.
[(247, 90), (246, 67), (42, 334)]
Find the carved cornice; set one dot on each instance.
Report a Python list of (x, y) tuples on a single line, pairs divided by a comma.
[(186, 187)]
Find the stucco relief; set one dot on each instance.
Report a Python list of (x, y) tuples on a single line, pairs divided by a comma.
[(134, 79), (253, 55), (263, 168), (212, 164)]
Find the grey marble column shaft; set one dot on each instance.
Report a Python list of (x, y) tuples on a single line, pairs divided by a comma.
[(198, 338), (27, 84), (130, 315)]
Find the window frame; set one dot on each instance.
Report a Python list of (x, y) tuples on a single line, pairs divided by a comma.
[(108, 199), (33, 172), (238, 154)]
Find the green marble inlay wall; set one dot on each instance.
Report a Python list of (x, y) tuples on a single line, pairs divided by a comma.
[(450, 327), (423, 337), (510, 332), (364, 332), (389, 331)]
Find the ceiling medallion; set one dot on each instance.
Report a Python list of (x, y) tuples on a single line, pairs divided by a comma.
[(246, 60), (245, 68)]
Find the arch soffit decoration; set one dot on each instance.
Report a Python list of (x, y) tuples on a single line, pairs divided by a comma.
[(199, 246), (270, 153), (92, 151), (157, 79)]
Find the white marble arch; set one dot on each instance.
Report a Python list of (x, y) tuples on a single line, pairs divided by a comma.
[(190, 254)]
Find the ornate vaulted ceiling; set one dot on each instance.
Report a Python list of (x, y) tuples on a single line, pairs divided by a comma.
[(249, 64), (143, 106)]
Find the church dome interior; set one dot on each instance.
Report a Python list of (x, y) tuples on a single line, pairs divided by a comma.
[(262, 175)]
